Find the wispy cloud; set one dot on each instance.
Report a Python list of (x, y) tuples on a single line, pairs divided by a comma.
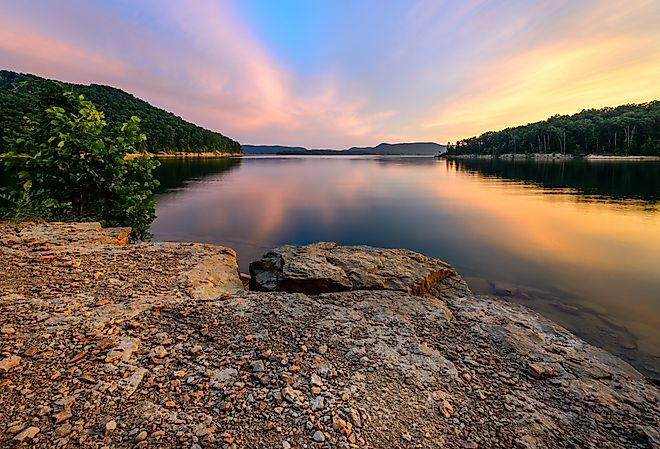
[(424, 70), (608, 56)]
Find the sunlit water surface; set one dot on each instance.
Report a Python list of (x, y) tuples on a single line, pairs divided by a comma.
[(577, 241)]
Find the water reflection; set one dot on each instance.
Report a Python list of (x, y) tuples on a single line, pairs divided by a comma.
[(603, 180), (590, 264), (174, 173)]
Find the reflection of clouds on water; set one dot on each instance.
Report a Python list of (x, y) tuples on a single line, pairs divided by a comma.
[(267, 198)]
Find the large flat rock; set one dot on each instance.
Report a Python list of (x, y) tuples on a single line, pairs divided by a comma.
[(57, 234), (64, 259), (326, 267)]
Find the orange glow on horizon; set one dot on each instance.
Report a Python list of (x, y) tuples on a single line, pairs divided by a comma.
[(576, 71)]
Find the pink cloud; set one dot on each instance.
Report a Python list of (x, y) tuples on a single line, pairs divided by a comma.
[(218, 75), (34, 51)]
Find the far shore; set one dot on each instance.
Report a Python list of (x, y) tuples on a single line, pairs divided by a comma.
[(186, 155), (553, 157), (183, 154)]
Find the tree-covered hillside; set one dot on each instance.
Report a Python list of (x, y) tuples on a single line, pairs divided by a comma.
[(383, 149), (166, 132), (632, 129)]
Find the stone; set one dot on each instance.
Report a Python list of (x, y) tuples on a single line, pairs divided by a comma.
[(124, 350), (63, 415), (214, 275), (258, 366), (110, 426), (224, 377), (286, 445), (134, 382), (318, 436), (159, 352), (355, 417), (141, 436), (446, 408), (503, 289), (9, 363), (326, 267), (27, 434), (197, 349), (64, 430), (317, 403), (245, 279), (43, 410), (543, 370), (292, 395), (66, 401), (315, 379), (53, 235)]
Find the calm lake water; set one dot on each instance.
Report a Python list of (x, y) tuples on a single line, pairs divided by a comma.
[(577, 241)]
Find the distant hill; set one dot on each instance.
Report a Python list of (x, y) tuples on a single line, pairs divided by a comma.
[(383, 149), (165, 131), (402, 149)]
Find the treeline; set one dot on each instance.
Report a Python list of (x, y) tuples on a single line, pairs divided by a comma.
[(632, 129), (167, 132)]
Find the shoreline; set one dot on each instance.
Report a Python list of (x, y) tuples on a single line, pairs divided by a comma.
[(554, 157), (109, 343), (185, 155)]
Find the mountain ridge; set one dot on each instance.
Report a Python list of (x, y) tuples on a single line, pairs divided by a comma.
[(382, 149)]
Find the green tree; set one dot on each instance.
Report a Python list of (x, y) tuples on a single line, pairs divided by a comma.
[(66, 163)]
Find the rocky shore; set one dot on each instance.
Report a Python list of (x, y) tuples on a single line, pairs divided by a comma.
[(187, 155), (192, 154), (108, 344)]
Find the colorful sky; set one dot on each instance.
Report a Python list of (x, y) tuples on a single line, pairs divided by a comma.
[(338, 73)]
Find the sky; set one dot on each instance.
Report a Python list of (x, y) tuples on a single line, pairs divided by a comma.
[(341, 73)]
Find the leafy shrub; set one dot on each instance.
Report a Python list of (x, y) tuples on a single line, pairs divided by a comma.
[(66, 163)]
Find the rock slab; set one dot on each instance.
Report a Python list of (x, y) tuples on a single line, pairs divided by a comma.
[(326, 267)]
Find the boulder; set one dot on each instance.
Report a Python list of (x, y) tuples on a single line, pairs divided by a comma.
[(214, 274), (326, 267)]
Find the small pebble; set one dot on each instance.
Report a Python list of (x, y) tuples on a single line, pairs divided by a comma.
[(319, 437), (141, 436), (110, 427), (27, 434)]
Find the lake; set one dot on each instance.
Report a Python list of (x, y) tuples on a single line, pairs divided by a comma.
[(577, 241)]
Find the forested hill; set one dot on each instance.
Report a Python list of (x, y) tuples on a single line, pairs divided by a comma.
[(632, 129), (165, 131), (383, 149)]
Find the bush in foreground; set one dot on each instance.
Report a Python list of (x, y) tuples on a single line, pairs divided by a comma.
[(66, 163)]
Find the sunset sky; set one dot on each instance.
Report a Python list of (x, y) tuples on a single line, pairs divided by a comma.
[(334, 74)]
